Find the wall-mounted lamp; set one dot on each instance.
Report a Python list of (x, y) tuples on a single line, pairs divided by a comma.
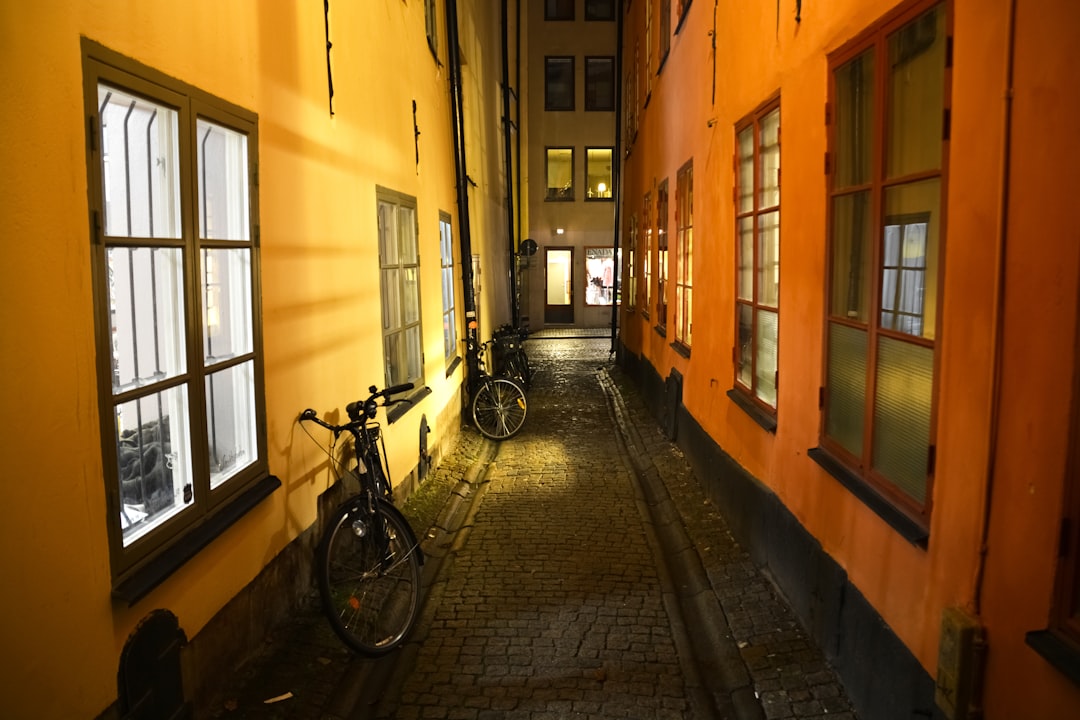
[(558, 231)]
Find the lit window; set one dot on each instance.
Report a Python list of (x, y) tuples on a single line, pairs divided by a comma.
[(757, 228), (559, 166), (661, 256), (598, 173), (684, 254), (176, 297)]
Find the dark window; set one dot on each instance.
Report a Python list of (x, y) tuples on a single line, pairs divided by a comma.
[(558, 9), (665, 31), (599, 9), (887, 102), (559, 83), (599, 83)]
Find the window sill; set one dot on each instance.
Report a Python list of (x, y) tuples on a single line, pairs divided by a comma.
[(453, 366), (139, 585), (681, 348), (661, 330), (1056, 650), (396, 412), (751, 408), (559, 199), (912, 531)]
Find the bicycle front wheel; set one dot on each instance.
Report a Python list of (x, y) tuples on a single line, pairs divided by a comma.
[(369, 579), (499, 408)]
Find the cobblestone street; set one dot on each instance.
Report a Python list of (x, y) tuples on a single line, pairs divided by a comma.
[(580, 574)]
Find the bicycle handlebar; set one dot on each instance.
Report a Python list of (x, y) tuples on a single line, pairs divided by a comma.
[(361, 410)]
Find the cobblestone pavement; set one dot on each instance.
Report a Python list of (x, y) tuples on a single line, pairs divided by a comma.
[(577, 572)]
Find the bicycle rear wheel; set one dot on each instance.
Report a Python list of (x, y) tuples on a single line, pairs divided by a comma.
[(370, 588), (499, 408)]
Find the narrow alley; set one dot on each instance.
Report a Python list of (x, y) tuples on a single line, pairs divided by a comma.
[(578, 572)]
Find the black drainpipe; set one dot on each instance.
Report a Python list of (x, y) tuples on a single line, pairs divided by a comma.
[(508, 128), (457, 120), (616, 175)]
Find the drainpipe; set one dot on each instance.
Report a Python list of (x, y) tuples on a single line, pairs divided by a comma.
[(457, 121), (999, 317), (616, 175), (508, 128)]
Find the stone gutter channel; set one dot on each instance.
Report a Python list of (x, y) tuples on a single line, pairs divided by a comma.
[(718, 682)]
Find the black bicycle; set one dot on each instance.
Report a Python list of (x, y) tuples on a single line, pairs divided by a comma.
[(508, 350), (368, 560), (498, 402)]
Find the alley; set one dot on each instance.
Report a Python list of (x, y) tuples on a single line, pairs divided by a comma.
[(586, 578)]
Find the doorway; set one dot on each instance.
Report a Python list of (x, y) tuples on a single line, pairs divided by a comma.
[(558, 285)]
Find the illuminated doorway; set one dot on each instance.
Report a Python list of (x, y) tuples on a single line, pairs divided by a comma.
[(558, 285)]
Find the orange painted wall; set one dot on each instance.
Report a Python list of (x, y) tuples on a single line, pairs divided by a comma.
[(760, 52), (59, 628)]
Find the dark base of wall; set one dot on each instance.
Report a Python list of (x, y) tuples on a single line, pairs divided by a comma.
[(884, 680)]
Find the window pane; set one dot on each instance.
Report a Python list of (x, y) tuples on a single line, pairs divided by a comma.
[(226, 293), (449, 335), (905, 381), (558, 83), (745, 370), (223, 183), (388, 243), (598, 173), (415, 356), (394, 356), (411, 292), (154, 458), (391, 300), (765, 369), (854, 116), (851, 256), (558, 9), (770, 160), (599, 9), (140, 166), (599, 83), (560, 174), (230, 421), (407, 245), (746, 259), (909, 289), (769, 258), (146, 315), (745, 181), (846, 390), (916, 95)]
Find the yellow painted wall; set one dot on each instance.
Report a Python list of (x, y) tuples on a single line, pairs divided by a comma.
[(320, 290), (761, 51)]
